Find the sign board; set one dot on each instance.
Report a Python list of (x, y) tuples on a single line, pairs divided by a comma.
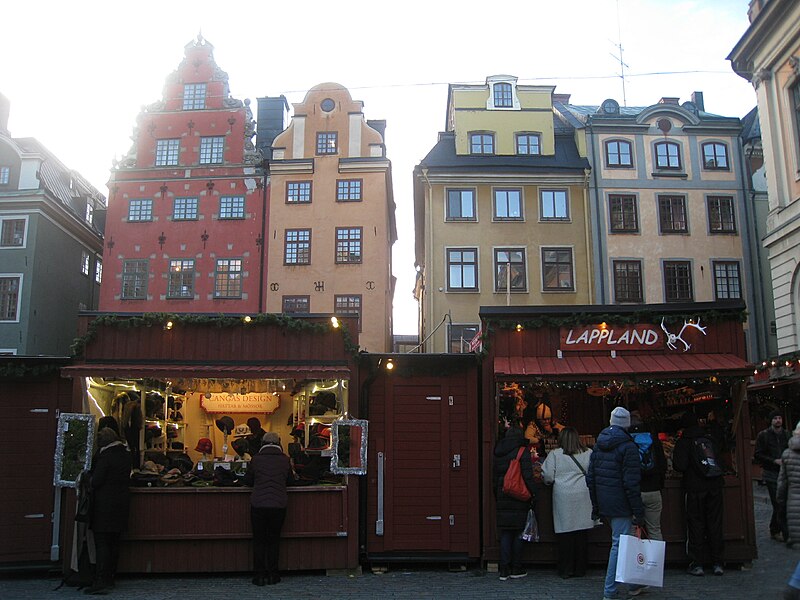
[(612, 337), (240, 403)]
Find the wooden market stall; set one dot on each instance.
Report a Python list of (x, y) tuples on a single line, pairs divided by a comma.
[(574, 364), (185, 390)]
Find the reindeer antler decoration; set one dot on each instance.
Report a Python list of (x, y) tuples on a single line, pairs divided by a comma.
[(673, 338)]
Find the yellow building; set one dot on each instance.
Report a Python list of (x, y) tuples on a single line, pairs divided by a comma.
[(331, 221), (501, 211)]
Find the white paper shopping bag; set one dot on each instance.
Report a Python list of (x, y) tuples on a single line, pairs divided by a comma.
[(640, 562)]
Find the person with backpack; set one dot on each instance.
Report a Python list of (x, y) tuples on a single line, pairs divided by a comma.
[(654, 468), (512, 513), (770, 444), (694, 455)]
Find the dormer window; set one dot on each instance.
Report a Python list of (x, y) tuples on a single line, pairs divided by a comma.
[(194, 96), (528, 144), (481, 143), (502, 95), (5, 175), (89, 213)]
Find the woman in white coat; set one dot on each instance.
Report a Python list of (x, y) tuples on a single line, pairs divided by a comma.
[(565, 469)]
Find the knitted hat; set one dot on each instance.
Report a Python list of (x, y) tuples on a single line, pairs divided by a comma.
[(270, 437), (775, 413), (620, 417)]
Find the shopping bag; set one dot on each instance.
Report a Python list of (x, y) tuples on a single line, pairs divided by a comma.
[(513, 483), (531, 531), (640, 562)]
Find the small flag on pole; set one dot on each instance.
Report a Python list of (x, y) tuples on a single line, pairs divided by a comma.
[(475, 344)]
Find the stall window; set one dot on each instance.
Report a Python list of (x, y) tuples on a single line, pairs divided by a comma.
[(672, 214), (678, 281), (628, 281), (727, 282), (296, 304), (348, 304), (460, 336), (181, 278), (509, 268), (462, 269), (134, 279), (557, 269), (228, 278), (297, 247)]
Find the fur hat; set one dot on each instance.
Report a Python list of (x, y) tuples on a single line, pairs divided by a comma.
[(270, 437), (620, 417)]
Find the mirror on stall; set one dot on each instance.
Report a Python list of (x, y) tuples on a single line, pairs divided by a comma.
[(349, 447), (74, 443)]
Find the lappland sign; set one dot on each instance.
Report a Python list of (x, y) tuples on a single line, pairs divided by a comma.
[(603, 337)]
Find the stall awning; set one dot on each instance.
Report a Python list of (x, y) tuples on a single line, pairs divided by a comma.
[(161, 371), (587, 367), (773, 383)]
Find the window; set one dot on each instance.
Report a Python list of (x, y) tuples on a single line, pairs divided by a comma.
[(672, 214), (327, 142), (228, 278), (298, 192), (553, 205), (528, 143), (502, 95), (98, 271), (211, 150), (557, 269), (721, 218), (5, 175), (715, 156), (140, 210), (727, 283), (461, 205), (677, 281), (348, 305), (89, 214), (296, 304), (297, 249), (481, 143), (12, 233), (184, 209), (134, 280), (624, 216), (628, 281), (668, 155), (348, 190), (85, 263), (509, 268), (507, 205), (180, 282), (618, 154), (460, 336), (462, 269), (796, 106), (348, 245), (9, 298), (194, 96), (167, 152), (231, 207)]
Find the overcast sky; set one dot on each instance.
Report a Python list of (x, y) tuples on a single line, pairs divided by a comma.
[(77, 73)]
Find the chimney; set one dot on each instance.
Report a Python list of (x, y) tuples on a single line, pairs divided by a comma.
[(5, 110), (272, 116), (562, 98), (697, 100), (668, 100)]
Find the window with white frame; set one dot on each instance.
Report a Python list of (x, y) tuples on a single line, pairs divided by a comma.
[(180, 282), (348, 304), (296, 304), (98, 271), (678, 281), (327, 142), (5, 175), (481, 143), (140, 210), (184, 209), (348, 245), (507, 204), (297, 247), (134, 279), (623, 213), (348, 190), (194, 96), (529, 144), (212, 150), (727, 280), (231, 207), (721, 218), (557, 270), (12, 232), (628, 281), (460, 335), (85, 263), (228, 278), (462, 269), (509, 270), (89, 214), (715, 156), (298, 192), (461, 205), (553, 205), (9, 297), (668, 155), (167, 152)]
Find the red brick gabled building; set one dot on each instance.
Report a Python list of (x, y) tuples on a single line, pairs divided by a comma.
[(186, 214)]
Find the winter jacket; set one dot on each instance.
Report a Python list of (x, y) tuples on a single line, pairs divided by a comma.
[(789, 487), (268, 473), (111, 476), (683, 461), (770, 446), (614, 475), (512, 513), (572, 506), (652, 480)]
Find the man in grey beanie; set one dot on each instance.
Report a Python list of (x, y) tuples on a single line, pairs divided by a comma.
[(770, 444), (613, 479)]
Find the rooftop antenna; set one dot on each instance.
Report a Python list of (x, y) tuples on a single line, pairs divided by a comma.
[(622, 64)]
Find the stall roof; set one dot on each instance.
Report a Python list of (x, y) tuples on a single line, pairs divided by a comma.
[(773, 383), (586, 367), (220, 371)]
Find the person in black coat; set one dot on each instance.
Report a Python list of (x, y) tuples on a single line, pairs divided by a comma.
[(652, 481), (110, 482), (770, 444), (511, 513)]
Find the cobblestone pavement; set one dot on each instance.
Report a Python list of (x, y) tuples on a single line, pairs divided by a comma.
[(765, 579)]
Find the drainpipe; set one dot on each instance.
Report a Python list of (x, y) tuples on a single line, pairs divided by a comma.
[(599, 242), (264, 208), (429, 244), (587, 235)]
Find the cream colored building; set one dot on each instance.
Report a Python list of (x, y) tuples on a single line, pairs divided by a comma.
[(331, 218), (501, 211), (768, 55)]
